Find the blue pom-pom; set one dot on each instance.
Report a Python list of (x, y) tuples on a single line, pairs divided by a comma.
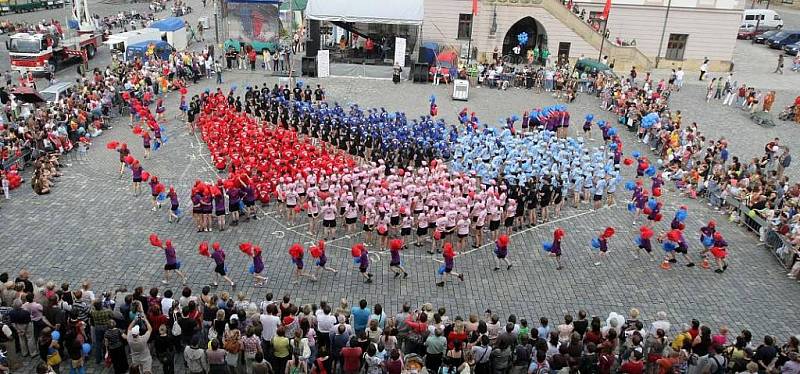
[(631, 207), (681, 215), (630, 185), (612, 131), (652, 203), (669, 246), (55, 335), (638, 241), (441, 269), (357, 260), (613, 146), (179, 212), (636, 154), (177, 264), (708, 241), (547, 247), (650, 171), (589, 117), (161, 197), (595, 242), (86, 348), (252, 269)]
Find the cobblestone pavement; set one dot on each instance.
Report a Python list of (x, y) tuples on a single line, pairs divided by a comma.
[(91, 227)]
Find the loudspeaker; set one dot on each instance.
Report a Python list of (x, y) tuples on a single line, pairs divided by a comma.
[(419, 72), (309, 66), (312, 45)]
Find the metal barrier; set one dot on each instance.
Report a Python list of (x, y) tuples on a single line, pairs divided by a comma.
[(781, 247)]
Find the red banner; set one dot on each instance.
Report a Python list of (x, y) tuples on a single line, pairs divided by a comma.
[(474, 7), (606, 9)]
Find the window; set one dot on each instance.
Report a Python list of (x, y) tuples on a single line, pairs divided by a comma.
[(777, 18), (749, 17), (676, 45), (464, 26)]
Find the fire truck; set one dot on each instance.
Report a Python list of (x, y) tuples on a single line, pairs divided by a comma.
[(44, 52)]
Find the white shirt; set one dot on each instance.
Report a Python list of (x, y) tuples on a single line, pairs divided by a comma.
[(270, 326), (325, 322), (166, 304)]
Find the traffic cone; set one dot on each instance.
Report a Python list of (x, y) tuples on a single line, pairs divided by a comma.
[(705, 264), (665, 265)]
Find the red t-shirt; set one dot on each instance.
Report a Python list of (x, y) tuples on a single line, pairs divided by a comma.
[(632, 367), (352, 359)]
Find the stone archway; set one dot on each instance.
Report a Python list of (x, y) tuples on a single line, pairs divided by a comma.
[(537, 36)]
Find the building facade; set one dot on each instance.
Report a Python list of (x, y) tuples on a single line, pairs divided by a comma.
[(681, 32)]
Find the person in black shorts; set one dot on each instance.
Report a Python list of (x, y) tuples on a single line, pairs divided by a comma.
[(545, 195)]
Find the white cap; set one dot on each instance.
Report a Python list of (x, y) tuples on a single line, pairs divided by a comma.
[(135, 331)]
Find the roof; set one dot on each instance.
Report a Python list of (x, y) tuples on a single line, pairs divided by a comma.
[(146, 44), (27, 95), (296, 5), (61, 86), (168, 24), (398, 12)]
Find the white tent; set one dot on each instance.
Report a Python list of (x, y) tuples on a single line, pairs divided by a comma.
[(397, 12)]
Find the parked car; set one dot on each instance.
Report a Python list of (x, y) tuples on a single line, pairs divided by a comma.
[(783, 38), (792, 49), (748, 31), (761, 39), (56, 91), (764, 17)]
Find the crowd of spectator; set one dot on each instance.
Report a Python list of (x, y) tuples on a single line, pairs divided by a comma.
[(216, 332), (754, 192), (38, 134)]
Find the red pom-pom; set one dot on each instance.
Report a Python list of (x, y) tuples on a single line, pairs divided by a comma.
[(503, 240), (356, 250), (647, 210), (447, 250), (137, 130), (220, 165), (437, 235), (323, 195), (681, 226), (183, 91), (296, 250), (203, 249), (315, 252), (434, 162), (154, 240), (657, 192), (658, 217), (298, 208), (396, 244), (401, 172), (160, 188), (246, 248), (112, 145), (129, 159), (558, 234), (627, 161), (145, 176), (645, 232), (674, 235), (608, 232), (321, 245)]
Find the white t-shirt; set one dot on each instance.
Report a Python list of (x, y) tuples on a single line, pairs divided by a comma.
[(270, 326)]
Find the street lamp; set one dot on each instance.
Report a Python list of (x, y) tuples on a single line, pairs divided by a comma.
[(663, 33)]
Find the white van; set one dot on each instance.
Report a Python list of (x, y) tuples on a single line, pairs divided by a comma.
[(766, 18)]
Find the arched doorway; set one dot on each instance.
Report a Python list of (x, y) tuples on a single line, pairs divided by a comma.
[(537, 36)]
